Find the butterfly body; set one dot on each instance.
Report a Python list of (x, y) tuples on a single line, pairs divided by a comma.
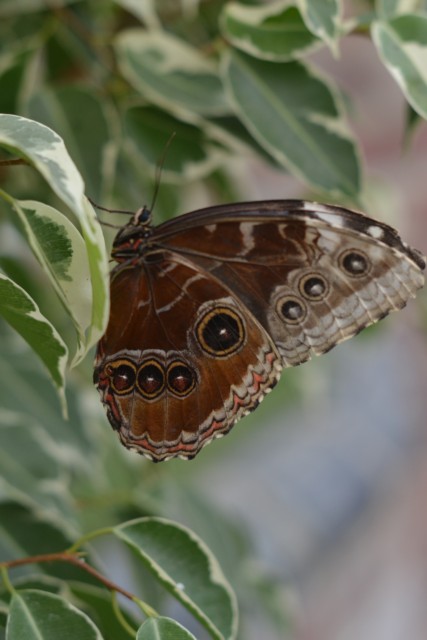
[(207, 308)]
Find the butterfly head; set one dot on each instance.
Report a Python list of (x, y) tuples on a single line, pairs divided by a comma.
[(132, 236), (142, 217)]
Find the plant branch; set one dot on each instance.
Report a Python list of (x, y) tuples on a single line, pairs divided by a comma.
[(14, 161), (76, 561)]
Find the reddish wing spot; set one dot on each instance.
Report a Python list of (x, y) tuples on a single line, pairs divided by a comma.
[(181, 379), (151, 379), (123, 378)]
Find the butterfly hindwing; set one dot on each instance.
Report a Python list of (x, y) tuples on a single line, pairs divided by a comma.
[(195, 360)]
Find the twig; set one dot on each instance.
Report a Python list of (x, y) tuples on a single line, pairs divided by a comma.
[(8, 163), (71, 559)]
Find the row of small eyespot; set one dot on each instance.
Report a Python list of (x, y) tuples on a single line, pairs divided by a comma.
[(315, 288), (150, 379)]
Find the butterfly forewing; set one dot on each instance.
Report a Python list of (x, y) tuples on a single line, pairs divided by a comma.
[(208, 307), (313, 275)]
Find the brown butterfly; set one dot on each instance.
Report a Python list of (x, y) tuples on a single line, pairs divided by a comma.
[(207, 309)]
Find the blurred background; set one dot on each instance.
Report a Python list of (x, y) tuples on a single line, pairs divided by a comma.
[(332, 485), (314, 504)]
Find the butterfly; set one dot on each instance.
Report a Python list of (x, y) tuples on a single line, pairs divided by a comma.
[(209, 307)]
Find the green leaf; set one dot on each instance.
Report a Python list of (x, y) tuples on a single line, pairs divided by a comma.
[(97, 602), (98, 264), (191, 156), (296, 117), (412, 119), (23, 314), (163, 629), (80, 116), (322, 18), (170, 73), (402, 46), (28, 460), (273, 32), (37, 615), (36, 581), (231, 132), (27, 379), (186, 568), (387, 9), (145, 11), (16, 7), (26, 531), (17, 270), (45, 150), (135, 188), (13, 71), (60, 249)]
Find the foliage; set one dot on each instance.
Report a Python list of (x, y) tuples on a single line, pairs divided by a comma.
[(90, 94)]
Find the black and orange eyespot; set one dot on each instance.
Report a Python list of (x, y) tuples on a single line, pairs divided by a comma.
[(122, 374), (220, 332), (151, 379), (181, 379)]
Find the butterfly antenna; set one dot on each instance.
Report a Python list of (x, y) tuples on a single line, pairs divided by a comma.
[(157, 177), (159, 169), (98, 206), (109, 225)]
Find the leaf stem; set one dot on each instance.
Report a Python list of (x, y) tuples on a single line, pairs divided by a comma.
[(89, 536), (146, 609), (120, 617), (5, 576), (7, 197)]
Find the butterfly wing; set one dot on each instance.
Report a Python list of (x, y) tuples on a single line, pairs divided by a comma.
[(313, 275), (182, 360), (204, 318)]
